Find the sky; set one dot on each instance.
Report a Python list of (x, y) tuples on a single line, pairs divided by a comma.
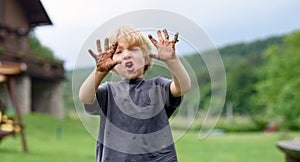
[(224, 22)]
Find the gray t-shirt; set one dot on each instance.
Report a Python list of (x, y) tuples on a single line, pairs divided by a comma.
[(134, 122)]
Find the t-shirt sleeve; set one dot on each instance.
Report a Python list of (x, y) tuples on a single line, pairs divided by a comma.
[(172, 102), (93, 108), (100, 101)]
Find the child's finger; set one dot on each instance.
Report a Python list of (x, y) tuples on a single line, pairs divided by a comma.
[(152, 40), (166, 34), (159, 35), (106, 66), (99, 46), (113, 49), (92, 54), (155, 56), (175, 39), (106, 44)]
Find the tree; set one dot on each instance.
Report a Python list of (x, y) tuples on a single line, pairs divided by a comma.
[(240, 80), (37, 48), (279, 87)]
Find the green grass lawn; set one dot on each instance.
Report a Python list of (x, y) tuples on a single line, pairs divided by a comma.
[(241, 147), (54, 140)]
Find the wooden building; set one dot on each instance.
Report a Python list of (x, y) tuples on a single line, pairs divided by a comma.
[(39, 83)]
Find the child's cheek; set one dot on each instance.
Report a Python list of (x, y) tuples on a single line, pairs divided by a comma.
[(118, 69), (117, 57)]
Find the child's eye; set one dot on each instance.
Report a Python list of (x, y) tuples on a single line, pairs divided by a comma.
[(134, 49)]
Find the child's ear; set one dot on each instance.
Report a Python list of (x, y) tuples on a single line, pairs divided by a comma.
[(148, 60)]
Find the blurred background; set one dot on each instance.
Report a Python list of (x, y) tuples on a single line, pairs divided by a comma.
[(258, 41)]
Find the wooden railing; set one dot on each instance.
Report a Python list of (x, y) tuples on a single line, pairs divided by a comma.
[(35, 65)]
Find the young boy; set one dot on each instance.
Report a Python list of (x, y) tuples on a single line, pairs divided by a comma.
[(134, 112)]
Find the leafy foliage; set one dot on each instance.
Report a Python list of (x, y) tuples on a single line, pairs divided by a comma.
[(44, 53), (241, 63), (262, 80), (279, 85)]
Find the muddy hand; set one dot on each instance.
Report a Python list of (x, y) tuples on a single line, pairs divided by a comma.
[(104, 59), (165, 47)]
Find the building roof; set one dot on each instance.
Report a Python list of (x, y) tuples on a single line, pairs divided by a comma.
[(35, 12)]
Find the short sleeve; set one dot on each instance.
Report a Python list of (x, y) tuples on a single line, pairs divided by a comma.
[(172, 102), (100, 101)]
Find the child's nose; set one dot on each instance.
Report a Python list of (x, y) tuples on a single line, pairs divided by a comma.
[(126, 55)]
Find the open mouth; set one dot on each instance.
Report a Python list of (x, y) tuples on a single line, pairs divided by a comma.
[(129, 64)]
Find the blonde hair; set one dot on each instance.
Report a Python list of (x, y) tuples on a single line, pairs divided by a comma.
[(133, 37)]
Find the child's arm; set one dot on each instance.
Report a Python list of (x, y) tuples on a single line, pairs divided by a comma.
[(104, 64), (181, 83), (87, 91)]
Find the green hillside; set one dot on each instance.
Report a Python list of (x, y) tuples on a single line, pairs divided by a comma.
[(245, 63)]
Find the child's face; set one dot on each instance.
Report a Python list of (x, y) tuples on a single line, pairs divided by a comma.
[(133, 61)]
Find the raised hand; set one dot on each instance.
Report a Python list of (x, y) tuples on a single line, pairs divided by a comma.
[(104, 59), (165, 47)]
